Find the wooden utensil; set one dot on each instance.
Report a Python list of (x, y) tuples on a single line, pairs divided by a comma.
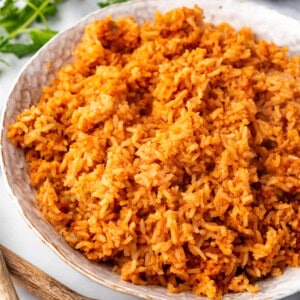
[(32, 279), (7, 289)]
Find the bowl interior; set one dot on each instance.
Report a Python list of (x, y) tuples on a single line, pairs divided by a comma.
[(267, 24)]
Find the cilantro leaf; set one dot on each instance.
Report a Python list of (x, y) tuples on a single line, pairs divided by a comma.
[(18, 49), (17, 25), (110, 2), (38, 38), (8, 13), (8, 7), (41, 36)]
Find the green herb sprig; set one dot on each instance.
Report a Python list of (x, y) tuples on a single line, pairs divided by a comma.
[(110, 2), (17, 35)]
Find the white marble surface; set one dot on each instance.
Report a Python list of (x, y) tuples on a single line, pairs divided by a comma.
[(14, 232)]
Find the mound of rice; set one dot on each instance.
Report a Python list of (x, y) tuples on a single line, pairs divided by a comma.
[(171, 150)]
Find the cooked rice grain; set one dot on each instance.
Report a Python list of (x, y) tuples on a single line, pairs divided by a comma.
[(172, 149)]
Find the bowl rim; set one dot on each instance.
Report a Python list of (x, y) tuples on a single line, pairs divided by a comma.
[(132, 289)]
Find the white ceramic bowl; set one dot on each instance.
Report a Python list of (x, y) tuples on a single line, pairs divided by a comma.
[(266, 23)]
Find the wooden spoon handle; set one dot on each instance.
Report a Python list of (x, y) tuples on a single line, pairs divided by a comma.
[(36, 281), (7, 289)]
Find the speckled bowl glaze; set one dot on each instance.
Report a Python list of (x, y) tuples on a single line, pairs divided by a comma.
[(266, 23)]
